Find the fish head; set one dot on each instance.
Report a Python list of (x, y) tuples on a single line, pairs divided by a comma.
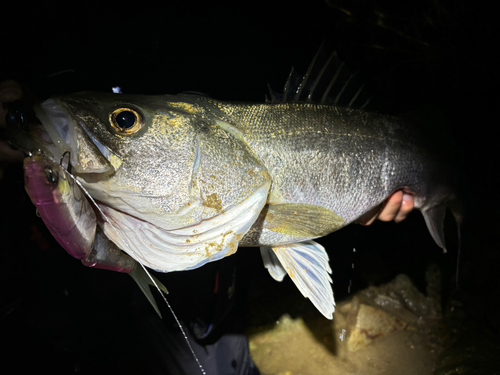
[(162, 159)]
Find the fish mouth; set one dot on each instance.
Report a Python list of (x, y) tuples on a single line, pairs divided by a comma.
[(71, 136)]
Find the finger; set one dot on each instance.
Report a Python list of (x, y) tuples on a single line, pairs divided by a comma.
[(392, 207), (369, 217), (407, 206)]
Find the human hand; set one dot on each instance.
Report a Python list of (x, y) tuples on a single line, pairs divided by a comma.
[(396, 208)]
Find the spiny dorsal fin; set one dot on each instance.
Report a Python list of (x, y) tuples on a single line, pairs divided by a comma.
[(327, 81)]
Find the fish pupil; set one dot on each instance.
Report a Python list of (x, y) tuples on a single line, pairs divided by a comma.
[(126, 119)]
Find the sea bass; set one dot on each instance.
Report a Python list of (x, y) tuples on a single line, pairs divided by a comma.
[(184, 180)]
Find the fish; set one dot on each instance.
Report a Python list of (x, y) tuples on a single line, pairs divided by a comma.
[(186, 179), (70, 218)]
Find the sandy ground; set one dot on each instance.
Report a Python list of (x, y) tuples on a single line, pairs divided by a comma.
[(291, 348), (390, 329)]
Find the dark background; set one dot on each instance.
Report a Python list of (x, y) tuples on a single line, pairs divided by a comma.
[(58, 316)]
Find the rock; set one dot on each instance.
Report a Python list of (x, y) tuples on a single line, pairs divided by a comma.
[(367, 323), (377, 311)]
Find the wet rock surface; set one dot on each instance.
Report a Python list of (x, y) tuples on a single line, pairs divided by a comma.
[(367, 324), (380, 330)]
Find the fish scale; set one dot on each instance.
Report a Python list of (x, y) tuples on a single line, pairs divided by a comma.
[(364, 157)]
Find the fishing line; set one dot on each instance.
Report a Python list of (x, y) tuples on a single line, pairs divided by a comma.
[(145, 270), (177, 321)]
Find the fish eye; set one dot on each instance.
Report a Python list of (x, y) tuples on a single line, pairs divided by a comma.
[(51, 175), (126, 121)]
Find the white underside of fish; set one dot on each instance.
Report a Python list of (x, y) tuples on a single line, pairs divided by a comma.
[(186, 248)]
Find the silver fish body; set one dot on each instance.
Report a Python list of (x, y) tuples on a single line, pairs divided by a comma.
[(347, 161), (185, 179)]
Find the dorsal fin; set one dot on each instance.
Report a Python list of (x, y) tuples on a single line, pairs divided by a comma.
[(327, 81)]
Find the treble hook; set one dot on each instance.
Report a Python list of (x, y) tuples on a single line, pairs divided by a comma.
[(68, 168)]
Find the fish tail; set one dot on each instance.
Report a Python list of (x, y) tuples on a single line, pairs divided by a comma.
[(457, 212), (434, 219)]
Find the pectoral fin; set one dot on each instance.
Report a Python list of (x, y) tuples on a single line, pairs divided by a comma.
[(143, 280), (302, 220), (307, 265)]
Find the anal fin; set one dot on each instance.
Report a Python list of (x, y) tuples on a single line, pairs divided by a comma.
[(307, 265), (272, 263)]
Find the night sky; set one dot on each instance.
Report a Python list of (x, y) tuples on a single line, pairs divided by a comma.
[(54, 312)]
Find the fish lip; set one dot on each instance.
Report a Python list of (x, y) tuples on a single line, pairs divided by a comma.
[(60, 124), (54, 118)]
